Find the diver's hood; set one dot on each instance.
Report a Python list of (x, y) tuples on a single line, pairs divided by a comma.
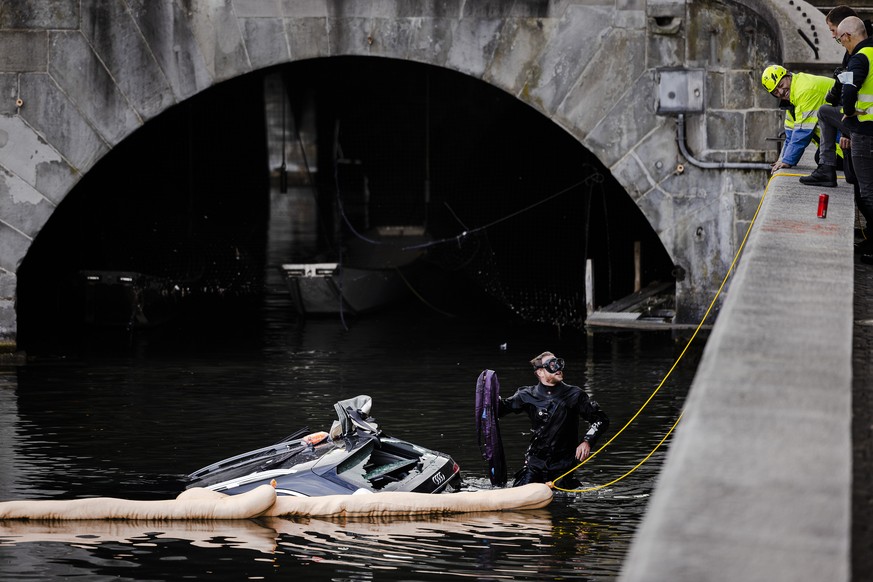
[(353, 414)]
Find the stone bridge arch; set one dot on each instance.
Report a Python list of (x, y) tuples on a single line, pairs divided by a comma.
[(79, 76)]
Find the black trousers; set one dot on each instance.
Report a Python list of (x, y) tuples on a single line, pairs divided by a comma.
[(862, 158), (537, 470)]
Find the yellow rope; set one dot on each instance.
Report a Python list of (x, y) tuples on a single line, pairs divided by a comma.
[(638, 465), (670, 371)]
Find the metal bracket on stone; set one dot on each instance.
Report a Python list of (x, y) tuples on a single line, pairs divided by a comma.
[(681, 91)]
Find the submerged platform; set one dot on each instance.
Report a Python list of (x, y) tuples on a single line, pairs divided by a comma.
[(652, 307)]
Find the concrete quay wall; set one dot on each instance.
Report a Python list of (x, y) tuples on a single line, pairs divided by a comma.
[(758, 480)]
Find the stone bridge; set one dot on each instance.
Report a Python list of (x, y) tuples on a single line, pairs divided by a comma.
[(77, 77)]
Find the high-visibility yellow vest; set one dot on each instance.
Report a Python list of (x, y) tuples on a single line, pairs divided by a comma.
[(789, 127), (807, 95), (816, 136), (865, 91)]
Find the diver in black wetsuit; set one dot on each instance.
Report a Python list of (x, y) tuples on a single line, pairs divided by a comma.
[(554, 409)]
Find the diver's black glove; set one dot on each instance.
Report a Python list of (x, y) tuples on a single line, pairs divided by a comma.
[(835, 95)]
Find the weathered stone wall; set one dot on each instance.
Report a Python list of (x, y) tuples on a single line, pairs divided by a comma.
[(78, 76)]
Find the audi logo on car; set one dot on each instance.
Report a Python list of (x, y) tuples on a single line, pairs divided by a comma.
[(438, 478)]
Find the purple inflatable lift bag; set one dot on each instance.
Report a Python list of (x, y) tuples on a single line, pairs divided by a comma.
[(488, 426)]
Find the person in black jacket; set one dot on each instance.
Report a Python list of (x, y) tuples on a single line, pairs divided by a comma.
[(554, 409), (858, 112), (830, 117)]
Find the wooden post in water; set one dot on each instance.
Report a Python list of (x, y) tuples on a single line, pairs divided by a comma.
[(637, 277), (589, 309), (589, 287)]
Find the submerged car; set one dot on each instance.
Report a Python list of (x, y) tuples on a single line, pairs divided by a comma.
[(355, 456)]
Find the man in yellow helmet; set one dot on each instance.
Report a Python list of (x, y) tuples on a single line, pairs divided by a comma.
[(806, 93)]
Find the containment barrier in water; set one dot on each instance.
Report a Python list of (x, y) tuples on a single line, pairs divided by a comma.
[(203, 504), (186, 506)]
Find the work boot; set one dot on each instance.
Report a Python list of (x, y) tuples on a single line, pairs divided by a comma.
[(825, 176)]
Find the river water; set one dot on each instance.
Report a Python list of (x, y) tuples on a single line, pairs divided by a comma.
[(130, 421)]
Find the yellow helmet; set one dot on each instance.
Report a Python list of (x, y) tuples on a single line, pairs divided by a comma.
[(771, 77)]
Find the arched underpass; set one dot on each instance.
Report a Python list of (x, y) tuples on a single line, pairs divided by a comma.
[(191, 198)]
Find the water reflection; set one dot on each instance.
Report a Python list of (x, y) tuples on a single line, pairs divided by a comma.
[(239, 534), (503, 545)]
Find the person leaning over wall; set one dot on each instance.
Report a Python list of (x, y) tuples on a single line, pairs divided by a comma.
[(806, 93)]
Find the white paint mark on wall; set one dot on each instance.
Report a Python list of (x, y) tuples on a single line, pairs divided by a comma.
[(22, 150)]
